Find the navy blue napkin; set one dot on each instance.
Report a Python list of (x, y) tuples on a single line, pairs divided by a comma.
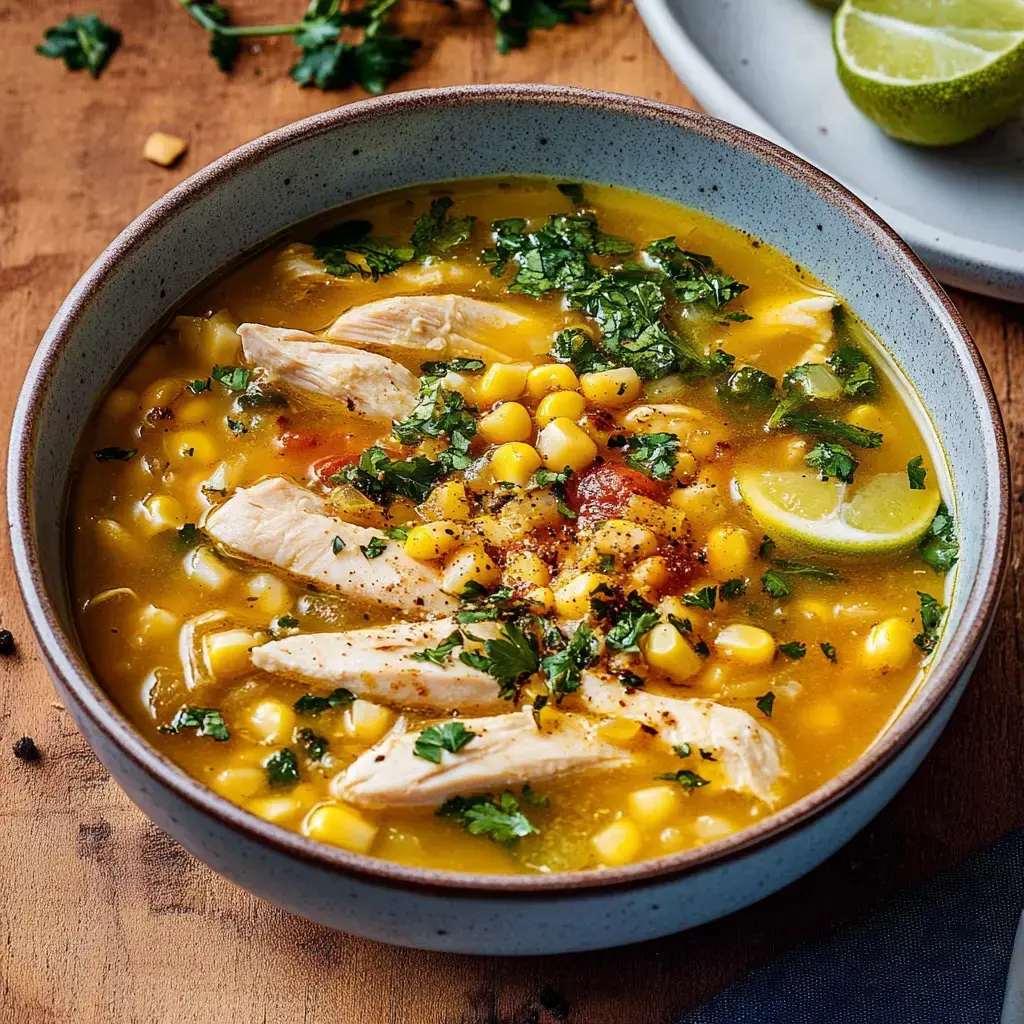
[(938, 954)]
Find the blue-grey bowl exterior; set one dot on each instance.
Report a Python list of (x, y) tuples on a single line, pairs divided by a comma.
[(240, 201)]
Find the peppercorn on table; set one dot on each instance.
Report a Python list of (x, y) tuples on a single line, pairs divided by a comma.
[(135, 907)]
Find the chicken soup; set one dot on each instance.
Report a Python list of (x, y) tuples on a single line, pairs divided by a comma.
[(512, 526)]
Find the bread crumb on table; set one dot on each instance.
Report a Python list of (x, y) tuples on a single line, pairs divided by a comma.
[(164, 149)]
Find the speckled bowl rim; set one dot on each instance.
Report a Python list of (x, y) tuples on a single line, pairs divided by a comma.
[(69, 666)]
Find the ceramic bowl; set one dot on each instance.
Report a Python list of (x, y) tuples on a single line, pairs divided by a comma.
[(237, 203)]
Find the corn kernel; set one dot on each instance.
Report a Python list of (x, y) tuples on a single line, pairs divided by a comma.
[(367, 722), (433, 540), (729, 552), (654, 805), (618, 843), (613, 389), (448, 501), (746, 645), (156, 623), (189, 448), (159, 513), (121, 402), (514, 463), (551, 377), (572, 601), (562, 443), (650, 575), (540, 599), (672, 839), (271, 721), (625, 540), (113, 536), (811, 608), (549, 718), (704, 441), (664, 648), (161, 392), (674, 606), (239, 784), (227, 653), (685, 468), (277, 808), (468, 565), (888, 647), (701, 501), (193, 410), (163, 149), (340, 826), (502, 382), (710, 826), (506, 422), (560, 405), (202, 566), (218, 340), (620, 732), (270, 596), (527, 567)]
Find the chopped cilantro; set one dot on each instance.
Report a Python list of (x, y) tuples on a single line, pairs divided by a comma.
[(439, 412), (189, 535), (396, 532), (481, 606), (747, 388), (916, 473), (237, 426), (206, 722), (766, 549), (606, 563), (337, 546), (704, 598), (682, 750), (686, 778), (315, 746), (829, 651), (732, 588), (435, 233), (197, 387), (572, 190), (691, 277), (832, 460), (765, 703), (632, 621), (234, 378), (775, 582), (932, 613), (563, 669), (654, 455), (114, 454), (486, 815), (450, 736), (574, 345), (282, 768), (286, 622), (557, 482), (381, 478), (510, 658), (442, 653), (530, 796), (375, 548), (335, 245), (939, 547), (84, 42), (793, 649), (312, 705), (833, 430)]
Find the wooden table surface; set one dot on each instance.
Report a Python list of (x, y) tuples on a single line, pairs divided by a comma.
[(104, 919)]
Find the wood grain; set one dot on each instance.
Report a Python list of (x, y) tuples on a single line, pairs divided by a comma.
[(107, 921)]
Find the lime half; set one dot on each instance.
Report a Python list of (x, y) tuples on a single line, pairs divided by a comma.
[(881, 515), (930, 72)]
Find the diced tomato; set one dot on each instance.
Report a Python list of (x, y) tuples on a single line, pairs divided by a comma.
[(332, 465), (603, 490)]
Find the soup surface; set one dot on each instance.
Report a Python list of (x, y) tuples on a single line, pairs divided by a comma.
[(488, 526)]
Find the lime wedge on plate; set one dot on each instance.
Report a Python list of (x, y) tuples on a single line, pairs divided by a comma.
[(933, 72), (882, 514)]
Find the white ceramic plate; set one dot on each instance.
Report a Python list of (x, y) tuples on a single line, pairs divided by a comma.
[(767, 65)]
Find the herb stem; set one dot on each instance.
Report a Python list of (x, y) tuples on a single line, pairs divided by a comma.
[(251, 31)]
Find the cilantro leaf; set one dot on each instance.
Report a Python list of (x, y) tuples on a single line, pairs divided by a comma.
[(832, 460), (682, 750), (114, 454), (450, 736), (442, 653), (703, 598), (514, 19), (374, 548), (313, 706), (510, 658), (829, 651), (563, 668), (939, 547), (315, 745), (748, 389), (732, 588), (793, 649), (775, 582), (632, 621), (84, 42), (439, 412), (197, 387), (335, 245), (282, 768), (529, 796), (932, 613), (237, 427), (833, 430), (206, 722), (233, 378), (574, 345), (916, 473), (381, 478), (434, 233), (765, 703), (691, 277), (686, 778), (496, 817), (655, 455), (337, 546)]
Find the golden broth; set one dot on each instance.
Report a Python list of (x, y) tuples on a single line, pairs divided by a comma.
[(138, 575)]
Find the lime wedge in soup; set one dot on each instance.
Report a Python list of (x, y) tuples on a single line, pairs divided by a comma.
[(928, 72), (882, 514)]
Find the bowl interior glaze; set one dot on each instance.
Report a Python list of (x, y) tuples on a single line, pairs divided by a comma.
[(236, 204)]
